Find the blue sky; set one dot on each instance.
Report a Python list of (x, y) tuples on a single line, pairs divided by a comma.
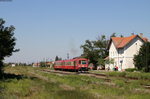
[(46, 28)]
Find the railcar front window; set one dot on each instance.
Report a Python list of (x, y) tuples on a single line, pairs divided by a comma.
[(82, 62)]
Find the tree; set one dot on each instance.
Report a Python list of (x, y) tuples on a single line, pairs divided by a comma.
[(101, 45), (58, 58), (142, 59), (89, 52), (109, 61), (7, 43), (95, 51), (121, 35), (42, 64), (113, 35)]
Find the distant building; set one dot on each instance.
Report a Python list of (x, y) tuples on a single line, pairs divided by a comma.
[(49, 64), (13, 65), (45, 64), (36, 65), (123, 49)]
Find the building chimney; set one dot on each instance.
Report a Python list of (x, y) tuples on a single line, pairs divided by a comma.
[(141, 34)]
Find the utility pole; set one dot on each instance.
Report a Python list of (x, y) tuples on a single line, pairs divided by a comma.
[(67, 55)]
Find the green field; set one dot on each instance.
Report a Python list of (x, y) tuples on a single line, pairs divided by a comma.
[(30, 83)]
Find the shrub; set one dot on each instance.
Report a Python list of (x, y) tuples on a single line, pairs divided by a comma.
[(134, 75), (117, 74), (119, 83), (145, 76), (130, 69)]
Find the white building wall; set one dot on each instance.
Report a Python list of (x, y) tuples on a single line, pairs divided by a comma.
[(121, 58), (113, 54), (117, 55), (132, 49)]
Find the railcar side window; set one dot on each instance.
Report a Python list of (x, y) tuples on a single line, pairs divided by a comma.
[(72, 63), (82, 62), (68, 63), (58, 63)]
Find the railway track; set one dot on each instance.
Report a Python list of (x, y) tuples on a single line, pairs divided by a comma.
[(96, 75), (73, 73)]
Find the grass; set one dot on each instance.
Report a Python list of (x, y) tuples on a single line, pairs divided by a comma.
[(132, 75), (29, 83)]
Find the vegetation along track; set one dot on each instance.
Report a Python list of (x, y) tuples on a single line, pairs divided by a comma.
[(103, 76), (96, 75)]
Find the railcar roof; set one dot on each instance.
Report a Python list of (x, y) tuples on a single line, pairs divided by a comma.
[(71, 59)]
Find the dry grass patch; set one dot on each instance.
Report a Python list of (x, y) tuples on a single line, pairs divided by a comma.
[(66, 87)]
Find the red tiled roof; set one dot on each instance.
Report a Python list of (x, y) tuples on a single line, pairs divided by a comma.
[(120, 42), (145, 39)]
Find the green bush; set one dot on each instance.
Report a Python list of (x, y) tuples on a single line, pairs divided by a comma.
[(119, 83), (134, 75), (116, 74), (145, 76), (138, 75), (130, 69)]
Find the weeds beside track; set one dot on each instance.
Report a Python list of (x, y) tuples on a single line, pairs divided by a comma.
[(41, 83)]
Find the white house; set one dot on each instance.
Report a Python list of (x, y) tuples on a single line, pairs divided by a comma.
[(123, 49)]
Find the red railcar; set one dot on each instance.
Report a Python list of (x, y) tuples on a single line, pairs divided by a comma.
[(72, 64)]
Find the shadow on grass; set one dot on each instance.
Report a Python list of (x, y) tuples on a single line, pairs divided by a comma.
[(7, 76), (74, 94)]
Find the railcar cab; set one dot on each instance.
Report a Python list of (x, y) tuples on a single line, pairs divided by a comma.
[(82, 64)]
